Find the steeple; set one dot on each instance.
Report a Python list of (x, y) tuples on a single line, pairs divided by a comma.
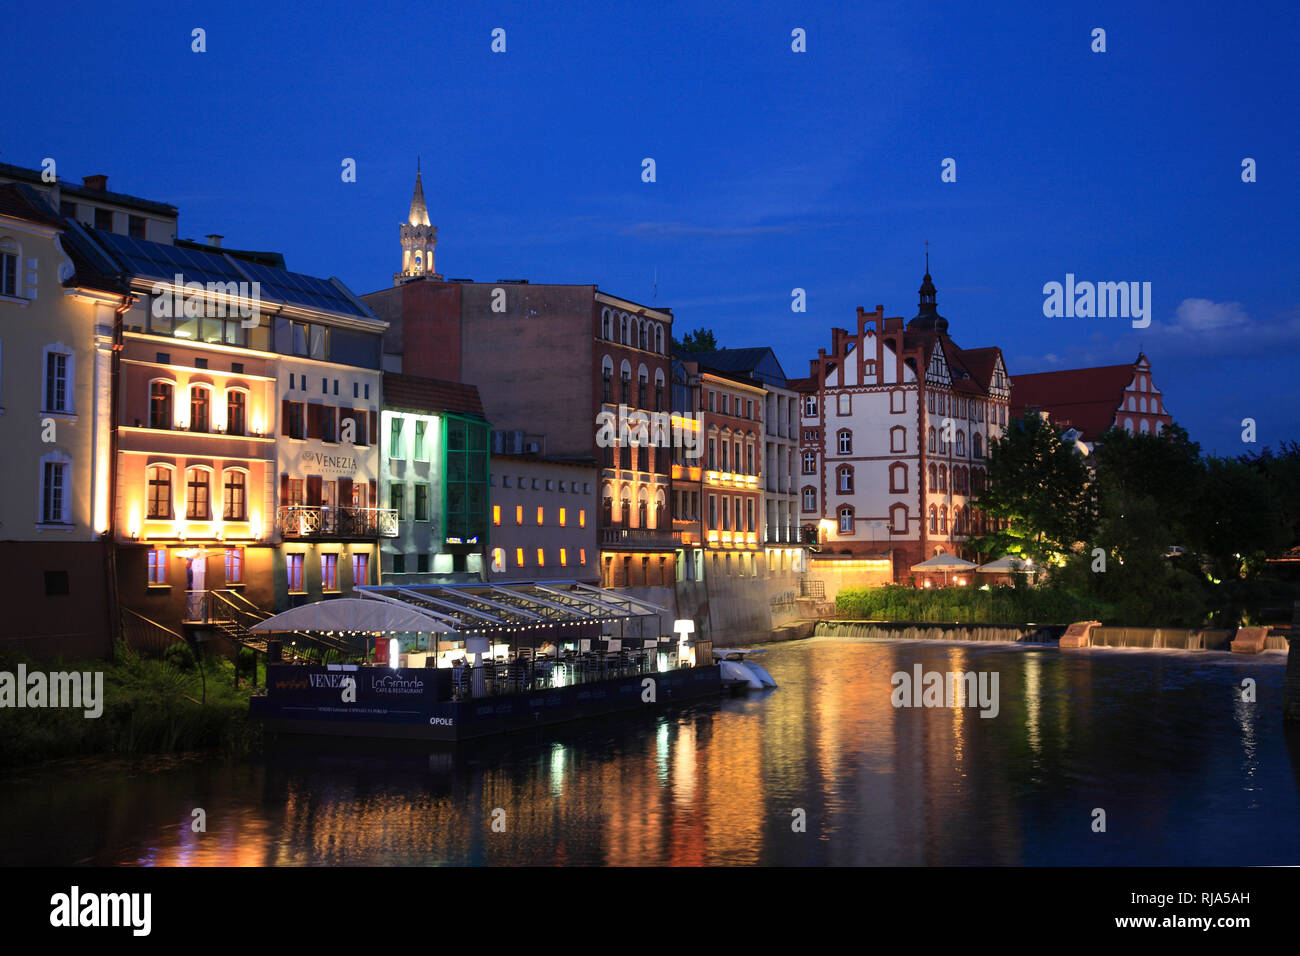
[(419, 238), (927, 317), (419, 215)]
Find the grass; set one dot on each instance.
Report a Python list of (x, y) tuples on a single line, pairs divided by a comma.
[(150, 706)]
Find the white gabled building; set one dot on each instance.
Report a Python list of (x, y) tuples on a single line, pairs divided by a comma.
[(896, 422)]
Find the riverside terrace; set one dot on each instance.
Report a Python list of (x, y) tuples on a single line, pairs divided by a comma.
[(452, 661)]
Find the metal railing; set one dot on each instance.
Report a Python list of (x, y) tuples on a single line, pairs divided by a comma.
[(143, 634), (500, 678), (318, 521), (643, 537)]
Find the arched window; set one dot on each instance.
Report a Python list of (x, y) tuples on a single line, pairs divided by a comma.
[(930, 437), (200, 408), (846, 479), (846, 520), (659, 510), (809, 498), (977, 445), (943, 477), (234, 498), (898, 439), (625, 507), (1144, 426), (604, 324), (897, 402), (897, 477), (1128, 425), (943, 520), (607, 504), (626, 374), (236, 411), (606, 378), (659, 390), (159, 491), (659, 338), (934, 479), (642, 382), (845, 441), (898, 519), (198, 488), (934, 519), (160, 403), (961, 443), (1142, 404)]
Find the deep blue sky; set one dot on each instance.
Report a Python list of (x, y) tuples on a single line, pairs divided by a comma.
[(776, 170)]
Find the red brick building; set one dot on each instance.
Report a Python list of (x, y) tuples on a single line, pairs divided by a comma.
[(1091, 400)]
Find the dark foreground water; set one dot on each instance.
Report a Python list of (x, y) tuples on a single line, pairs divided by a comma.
[(1185, 771)]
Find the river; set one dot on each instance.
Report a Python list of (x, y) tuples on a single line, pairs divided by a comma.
[(1186, 772)]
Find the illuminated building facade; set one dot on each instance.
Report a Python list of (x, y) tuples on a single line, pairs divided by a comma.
[(896, 424), (434, 477), (543, 520), (57, 313)]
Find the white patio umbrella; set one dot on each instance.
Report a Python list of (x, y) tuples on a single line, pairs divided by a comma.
[(944, 562), (1007, 564)]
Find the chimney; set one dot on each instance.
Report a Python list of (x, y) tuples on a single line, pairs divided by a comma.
[(98, 183), (215, 240)]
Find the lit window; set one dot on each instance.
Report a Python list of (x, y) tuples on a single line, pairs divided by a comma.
[(582, 521), (519, 557), (360, 569), (234, 565), (329, 572), (233, 506), (160, 492), (582, 555), (498, 560), (563, 517), (496, 515), (157, 566), (196, 496), (519, 514), (564, 558), (539, 516), (541, 558), (293, 570)]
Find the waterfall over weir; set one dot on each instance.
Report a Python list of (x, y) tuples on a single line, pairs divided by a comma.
[(895, 631)]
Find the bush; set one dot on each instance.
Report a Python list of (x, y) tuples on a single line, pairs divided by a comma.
[(180, 656), (1009, 606)]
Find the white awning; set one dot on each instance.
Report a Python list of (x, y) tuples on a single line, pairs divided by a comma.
[(944, 562), (355, 614), (1004, 565)]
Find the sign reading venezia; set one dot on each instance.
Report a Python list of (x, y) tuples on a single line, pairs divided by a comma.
[(340, 463)]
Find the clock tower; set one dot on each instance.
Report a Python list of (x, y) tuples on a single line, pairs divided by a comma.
[(419, 239)]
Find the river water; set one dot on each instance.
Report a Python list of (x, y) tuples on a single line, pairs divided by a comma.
[(1184, 770)]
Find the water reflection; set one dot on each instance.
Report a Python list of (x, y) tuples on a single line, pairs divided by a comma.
[(1186, 771)]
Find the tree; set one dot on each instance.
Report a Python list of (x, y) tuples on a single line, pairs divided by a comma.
[(701, 340), (1243, 519), (1166, 468), (1041, 487)]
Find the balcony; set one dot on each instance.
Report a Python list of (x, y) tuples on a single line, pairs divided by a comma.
[(650, 538), (313, 521)]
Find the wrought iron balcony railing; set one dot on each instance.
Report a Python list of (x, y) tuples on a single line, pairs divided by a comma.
[(640, 537), (316, 521)]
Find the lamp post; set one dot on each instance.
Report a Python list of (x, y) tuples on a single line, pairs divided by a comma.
[(683, 627)]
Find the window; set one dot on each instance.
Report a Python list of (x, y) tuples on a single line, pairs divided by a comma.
[(395, 439), (360, 569), (421, 502), (299, 330), (897, 401), (846, 520), (934, 479), (519, 514), (196, 494), (234, 565), (296, 498), (977, 445), (9, 253), (943, 477), (418, 452), (236, 412), (160, 405), (519, 557), (54, 501), (396, 493), (160, 492), (810, 463), (157, 566), (582, 555), (58, 369), (961, 444), (582, 518), (295, 423), (897, 477), (749, 514), (399, 564), (234, 498), (293, 571), (930, 439), (329, 572), (541, 558), (200, 409), (563, 516), (898, 438), (422, 563), (135, 227), (104, 219), (844, 403), (934, 519), (846, 442), (540, 512), (846, 479), (810, 406), (898, 519)]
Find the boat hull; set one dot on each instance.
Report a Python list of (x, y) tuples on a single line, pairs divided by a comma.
[(388, 704)]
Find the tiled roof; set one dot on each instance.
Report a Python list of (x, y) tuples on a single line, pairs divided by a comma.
[(431, 395), (1082, 398), (69, 188)]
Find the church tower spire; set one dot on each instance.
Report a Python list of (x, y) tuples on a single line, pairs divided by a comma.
[(927, 317), (419, 238)]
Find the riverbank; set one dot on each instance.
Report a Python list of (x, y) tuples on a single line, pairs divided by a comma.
[(150, 706)]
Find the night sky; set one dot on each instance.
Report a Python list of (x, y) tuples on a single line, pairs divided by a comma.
[(775, 169)]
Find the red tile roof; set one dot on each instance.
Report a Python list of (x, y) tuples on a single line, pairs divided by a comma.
[(1082, 398), (430, 395)]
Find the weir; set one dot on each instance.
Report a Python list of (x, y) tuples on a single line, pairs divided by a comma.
[(902, 631)]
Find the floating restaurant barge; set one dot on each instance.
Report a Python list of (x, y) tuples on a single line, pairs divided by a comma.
[(453, 662)]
